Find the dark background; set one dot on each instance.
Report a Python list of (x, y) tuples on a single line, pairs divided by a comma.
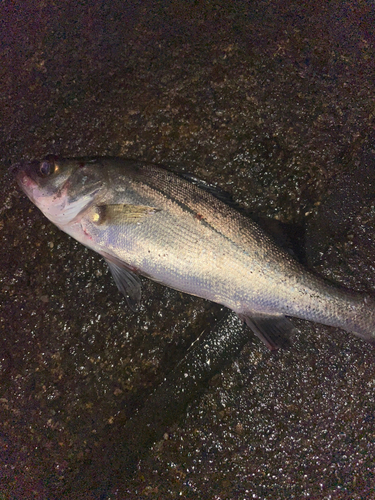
[(274, 103)]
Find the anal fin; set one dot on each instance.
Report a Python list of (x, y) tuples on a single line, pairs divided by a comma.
[(274, 330)]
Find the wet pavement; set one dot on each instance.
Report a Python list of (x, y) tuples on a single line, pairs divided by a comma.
[(273, 104)]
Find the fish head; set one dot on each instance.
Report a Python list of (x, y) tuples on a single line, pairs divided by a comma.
[(61, 189)]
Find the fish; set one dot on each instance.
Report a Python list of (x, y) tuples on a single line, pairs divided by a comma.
[(146, 220)]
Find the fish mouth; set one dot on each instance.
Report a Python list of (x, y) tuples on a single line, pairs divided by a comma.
[(22, 172)]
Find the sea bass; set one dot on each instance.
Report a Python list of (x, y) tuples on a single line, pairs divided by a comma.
[(145, 220)]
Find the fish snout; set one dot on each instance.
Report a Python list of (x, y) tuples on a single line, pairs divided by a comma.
[(24, 173)]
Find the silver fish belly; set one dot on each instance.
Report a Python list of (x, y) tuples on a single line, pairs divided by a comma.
[(146, 220)]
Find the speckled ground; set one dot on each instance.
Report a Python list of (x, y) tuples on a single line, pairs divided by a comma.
[(273, 102)]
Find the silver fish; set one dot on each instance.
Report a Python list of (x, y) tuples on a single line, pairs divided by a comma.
[(145, 220)]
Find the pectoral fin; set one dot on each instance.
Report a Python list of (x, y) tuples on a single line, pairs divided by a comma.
[(121, 214), (275, 331), (127, 282)]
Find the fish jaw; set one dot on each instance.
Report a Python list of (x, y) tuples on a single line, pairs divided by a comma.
[(26, 183)]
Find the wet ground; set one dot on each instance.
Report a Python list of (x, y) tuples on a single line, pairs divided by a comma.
[(274, 104)]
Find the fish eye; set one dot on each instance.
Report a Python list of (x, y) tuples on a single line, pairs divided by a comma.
[(46, 168)]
